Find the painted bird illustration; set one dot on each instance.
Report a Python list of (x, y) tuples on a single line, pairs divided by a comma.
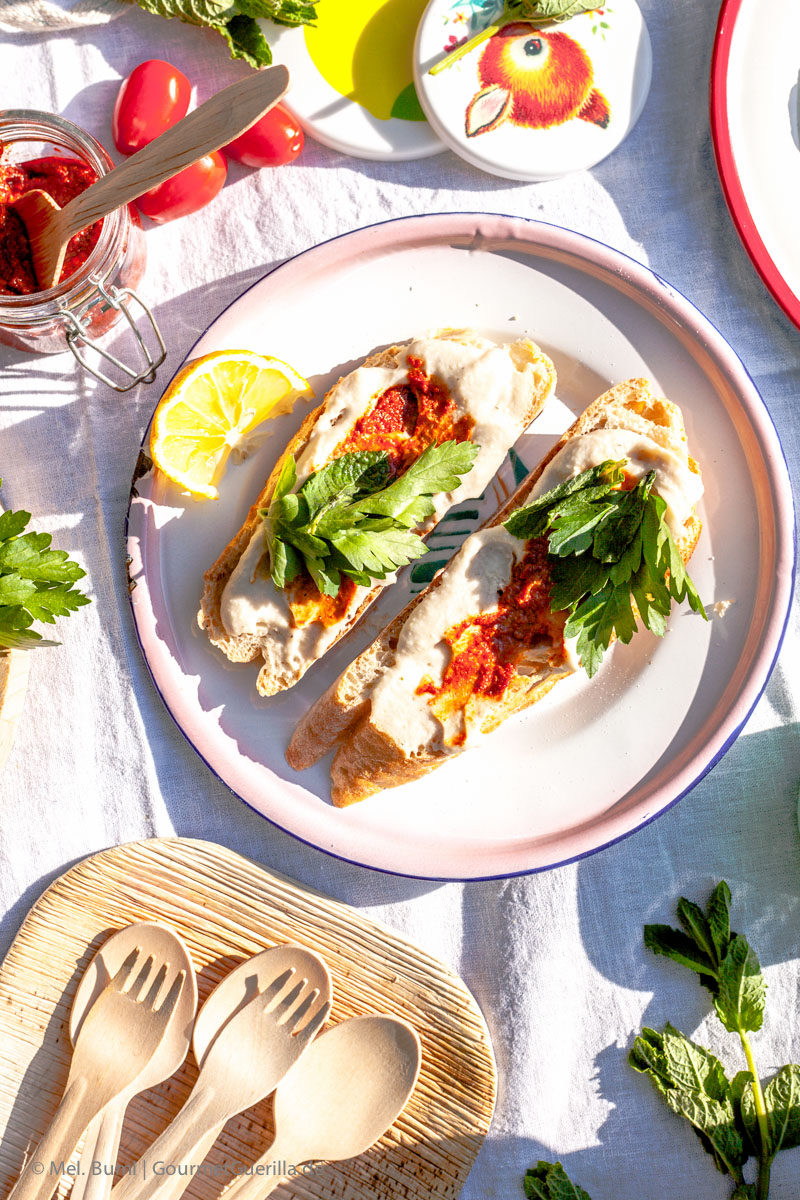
[(533, 78)]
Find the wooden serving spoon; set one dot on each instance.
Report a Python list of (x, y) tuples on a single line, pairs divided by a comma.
[(214, 124), (348, 1088)]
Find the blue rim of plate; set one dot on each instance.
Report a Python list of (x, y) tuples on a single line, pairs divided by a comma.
[(733, 735)]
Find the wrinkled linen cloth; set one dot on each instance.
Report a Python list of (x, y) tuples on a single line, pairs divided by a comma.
[(556, 959)]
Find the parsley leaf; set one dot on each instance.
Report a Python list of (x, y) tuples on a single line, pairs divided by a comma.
[(348, 518), (36, 583), (608, 548)]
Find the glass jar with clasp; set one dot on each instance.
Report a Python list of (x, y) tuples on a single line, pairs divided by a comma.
[(100, 292)]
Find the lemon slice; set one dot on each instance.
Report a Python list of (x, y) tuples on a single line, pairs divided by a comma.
[(211, 408)]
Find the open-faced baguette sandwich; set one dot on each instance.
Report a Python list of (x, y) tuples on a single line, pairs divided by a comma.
[(395, 443), (596, 536)]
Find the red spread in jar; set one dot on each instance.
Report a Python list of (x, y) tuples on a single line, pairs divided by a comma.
[(403, 421), (61, 178), (487, 648)]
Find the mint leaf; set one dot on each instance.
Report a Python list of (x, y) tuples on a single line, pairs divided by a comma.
[(782, 1100), (718, 913), (741, 991), (663, 939), (695, 922), (693, 1083), (549, 1181), (744, 1108), (343, 478), (236, 20)]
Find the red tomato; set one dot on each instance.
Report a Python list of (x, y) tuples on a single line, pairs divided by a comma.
[(275, 139), (187, 192), (153, 97)]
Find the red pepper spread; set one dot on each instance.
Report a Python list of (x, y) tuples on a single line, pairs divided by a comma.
[(403, 421), (487, 648), (61, 178)]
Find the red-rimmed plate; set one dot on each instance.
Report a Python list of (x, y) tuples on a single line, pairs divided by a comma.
[(755, 73), (596, 759)]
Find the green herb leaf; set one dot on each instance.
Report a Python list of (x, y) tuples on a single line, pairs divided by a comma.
[(694, 1085), (718, 914), (48, 603), (245, 40), (378, 552), (744, 1108), (347, 519), (607, 547), (237, 20), (344, 478), (35, 583), (663, 939), (552, 10), (782, 1100), (438, 469), (549, 1181), (742, 992)]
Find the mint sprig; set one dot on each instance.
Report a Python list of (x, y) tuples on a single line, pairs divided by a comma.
[(36, 583), (736, 1118), (348, 519), (608, 548)]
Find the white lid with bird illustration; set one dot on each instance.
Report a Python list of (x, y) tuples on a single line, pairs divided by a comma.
[(534, 98), (353, 78)]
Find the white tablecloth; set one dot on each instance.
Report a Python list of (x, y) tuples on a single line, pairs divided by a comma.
[(555, 960)]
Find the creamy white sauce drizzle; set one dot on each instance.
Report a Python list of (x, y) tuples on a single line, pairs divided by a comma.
[(484, 382), (679, 487)]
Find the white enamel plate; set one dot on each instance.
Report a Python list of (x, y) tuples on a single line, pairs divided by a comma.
[(593, 761)]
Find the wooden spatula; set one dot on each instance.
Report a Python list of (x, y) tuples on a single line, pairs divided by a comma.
[(214, 124)]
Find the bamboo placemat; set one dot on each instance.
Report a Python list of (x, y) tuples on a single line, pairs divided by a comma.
[(227, 908)]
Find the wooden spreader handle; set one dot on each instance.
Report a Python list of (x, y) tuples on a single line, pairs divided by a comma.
[(214, 124)]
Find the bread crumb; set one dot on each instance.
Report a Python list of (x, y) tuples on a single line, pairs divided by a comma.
[(721, 607)]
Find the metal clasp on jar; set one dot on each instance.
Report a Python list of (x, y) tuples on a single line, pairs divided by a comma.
[(78, 337)]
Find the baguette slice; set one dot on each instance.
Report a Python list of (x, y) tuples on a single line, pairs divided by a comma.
[(501, 411), (377, 748)]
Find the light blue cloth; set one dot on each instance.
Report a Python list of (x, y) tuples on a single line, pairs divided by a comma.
[(555, 960)]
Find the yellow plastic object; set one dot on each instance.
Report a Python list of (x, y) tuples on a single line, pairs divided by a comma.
[(211, 409)]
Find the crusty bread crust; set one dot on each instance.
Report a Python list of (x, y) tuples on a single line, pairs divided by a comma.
[(368, 760), (246, 648)]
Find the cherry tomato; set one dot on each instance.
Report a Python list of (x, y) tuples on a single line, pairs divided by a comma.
[(187, 192), (272, 141), (153, 97)]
